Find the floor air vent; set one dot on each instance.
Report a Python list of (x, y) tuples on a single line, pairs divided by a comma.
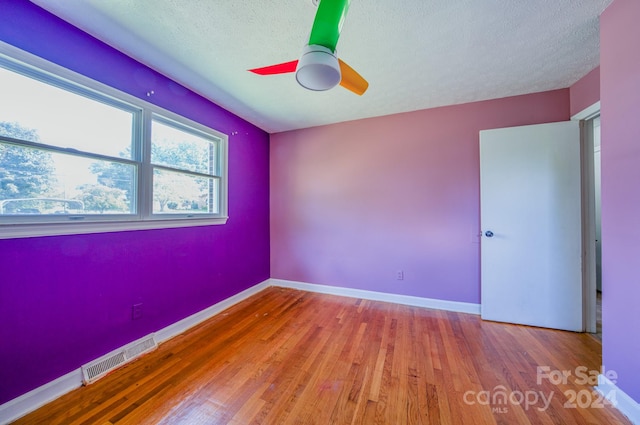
[(98, 368)]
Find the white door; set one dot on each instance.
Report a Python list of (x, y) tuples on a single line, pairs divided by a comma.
[(531, 224)]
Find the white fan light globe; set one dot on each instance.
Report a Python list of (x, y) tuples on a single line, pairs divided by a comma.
[(318, 69)]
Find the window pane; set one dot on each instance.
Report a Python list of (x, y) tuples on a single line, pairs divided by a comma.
[(176, 148), (34, 181), (39, 112), (179, 193)]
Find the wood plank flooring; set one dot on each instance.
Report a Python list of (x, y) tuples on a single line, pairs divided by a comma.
[(291, 357)]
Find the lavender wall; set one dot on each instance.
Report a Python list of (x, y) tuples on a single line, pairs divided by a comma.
[(67, 300), (585, 92), (352, 203), (620, 109)]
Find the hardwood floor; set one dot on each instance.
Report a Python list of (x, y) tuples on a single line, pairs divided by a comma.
[(291, 357)]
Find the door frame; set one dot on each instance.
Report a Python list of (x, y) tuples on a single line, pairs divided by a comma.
[(588, 215)]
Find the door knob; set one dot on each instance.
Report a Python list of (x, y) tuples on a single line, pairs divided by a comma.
[(488, 234)]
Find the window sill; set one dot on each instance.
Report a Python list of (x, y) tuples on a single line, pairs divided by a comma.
[(17, 231)]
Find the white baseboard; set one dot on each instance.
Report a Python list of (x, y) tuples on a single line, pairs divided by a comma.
[(456, 306), (199, 317), (621, 400), (20, 406), (28, 402)]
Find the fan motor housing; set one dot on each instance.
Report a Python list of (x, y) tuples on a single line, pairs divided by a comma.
[(318, 68)]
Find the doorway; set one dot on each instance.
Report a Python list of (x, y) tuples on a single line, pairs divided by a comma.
[(592, 238), (589, 281)]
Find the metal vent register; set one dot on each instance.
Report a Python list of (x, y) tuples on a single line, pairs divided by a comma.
[(98, 368)]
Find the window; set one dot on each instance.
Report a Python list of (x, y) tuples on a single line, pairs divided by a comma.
[(79, 157), (186, 169)]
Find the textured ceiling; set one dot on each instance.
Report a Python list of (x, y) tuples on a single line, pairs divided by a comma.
[(416, 54)]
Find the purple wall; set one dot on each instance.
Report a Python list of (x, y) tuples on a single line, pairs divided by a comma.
[(620, 109), (352, 203), (585, 92), (67, 300)]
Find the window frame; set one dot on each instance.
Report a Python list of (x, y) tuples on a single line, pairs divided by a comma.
[(220, 165), (143, 113)]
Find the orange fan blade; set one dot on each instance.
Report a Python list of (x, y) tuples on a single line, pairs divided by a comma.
[(281, 68), (351, 80)]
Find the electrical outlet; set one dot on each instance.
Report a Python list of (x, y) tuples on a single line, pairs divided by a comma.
[(400, 275), (136, 311)]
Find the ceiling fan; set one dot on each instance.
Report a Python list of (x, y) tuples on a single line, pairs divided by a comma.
[(319, 68)]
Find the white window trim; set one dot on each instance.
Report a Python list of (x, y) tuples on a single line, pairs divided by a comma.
[(117, 223)]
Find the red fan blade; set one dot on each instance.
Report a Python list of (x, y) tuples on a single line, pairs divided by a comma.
[(281, 68)]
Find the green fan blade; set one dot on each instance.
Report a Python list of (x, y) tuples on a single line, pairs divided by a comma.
[(328, 23)]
